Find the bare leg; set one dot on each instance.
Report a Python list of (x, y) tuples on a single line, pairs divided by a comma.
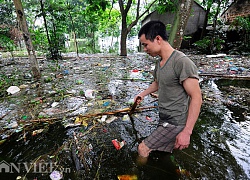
[(143, 151)]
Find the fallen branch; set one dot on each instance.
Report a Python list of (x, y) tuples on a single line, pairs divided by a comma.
[(225, 76), (126, 110)]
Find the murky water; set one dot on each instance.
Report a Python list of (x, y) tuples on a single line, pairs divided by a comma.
[(219, 145)]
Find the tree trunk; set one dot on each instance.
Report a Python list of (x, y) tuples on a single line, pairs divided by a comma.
[(74, 34), (126, 29), (214, 27), (123, 43), (205, 23), (26, 36), (180, 22), (46, 27), (76, 44)]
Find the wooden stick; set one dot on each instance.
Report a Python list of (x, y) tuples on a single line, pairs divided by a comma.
[(138, 98), (86, 115), (117, 111)]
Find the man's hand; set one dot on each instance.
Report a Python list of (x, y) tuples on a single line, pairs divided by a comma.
[(138, 99), (182, 140)]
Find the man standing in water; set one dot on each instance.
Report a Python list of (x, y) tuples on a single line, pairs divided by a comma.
[(179, 95)]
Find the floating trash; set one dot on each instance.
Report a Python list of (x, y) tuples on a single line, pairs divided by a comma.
[(23, 86), (106, 103), (104, 117), (89, 94), (126, 117), (56, 175), (37, 132), (118, 145), (13, 90), (111, 119), (127, 177), (135, 74), (54, 104)]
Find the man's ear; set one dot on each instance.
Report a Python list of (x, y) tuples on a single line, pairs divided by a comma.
[(158, 38)]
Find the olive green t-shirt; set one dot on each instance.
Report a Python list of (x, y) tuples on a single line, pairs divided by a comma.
[(173, 99)]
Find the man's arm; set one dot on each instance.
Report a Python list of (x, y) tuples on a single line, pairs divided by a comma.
[(152, 88), (191, 85)]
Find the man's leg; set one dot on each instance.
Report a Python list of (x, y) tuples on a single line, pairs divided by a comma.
[(143, 151)]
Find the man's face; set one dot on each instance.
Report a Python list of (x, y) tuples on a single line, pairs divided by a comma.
[(150, 47)]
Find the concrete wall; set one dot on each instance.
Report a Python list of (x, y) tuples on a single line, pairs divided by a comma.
[(194, 24), (195, 20)]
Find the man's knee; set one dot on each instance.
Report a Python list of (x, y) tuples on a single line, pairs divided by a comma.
[(143, 150)]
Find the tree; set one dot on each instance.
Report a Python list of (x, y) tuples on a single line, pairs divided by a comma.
[(181, 18), (26, 36), (208, 4), (124, 9)]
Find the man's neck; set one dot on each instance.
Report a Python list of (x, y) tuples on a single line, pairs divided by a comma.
[(166, 52)]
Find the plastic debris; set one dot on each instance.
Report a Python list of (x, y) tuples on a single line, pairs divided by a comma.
[(136, 74), (54, 104), (106, 103), (23, 86), (104, 117), (89, 94), (66, 72), (111, 119), (216, 55), (127, 177), (79, 81), (118, 145), (13, 90), (56, 175), (13, 125), (126, 117), (148, 118), (2, 141), (81, 120), (37, 132)]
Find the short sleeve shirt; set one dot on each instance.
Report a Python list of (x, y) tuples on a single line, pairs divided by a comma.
[(173, 99)]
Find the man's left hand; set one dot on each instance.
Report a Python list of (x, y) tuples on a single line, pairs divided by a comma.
[(182, 140)]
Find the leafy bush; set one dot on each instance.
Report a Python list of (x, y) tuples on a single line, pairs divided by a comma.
[(204, 45), (5, 41)]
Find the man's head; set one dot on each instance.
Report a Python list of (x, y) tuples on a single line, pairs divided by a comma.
[(153, 29), (153, 37)]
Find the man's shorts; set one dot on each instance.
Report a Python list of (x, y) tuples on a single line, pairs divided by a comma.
[(163, 137)]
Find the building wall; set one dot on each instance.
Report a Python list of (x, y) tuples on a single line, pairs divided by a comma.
[(194, 24), (238, 8), (195, 20)]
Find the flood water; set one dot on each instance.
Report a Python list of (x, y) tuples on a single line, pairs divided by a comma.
[(220, 143)]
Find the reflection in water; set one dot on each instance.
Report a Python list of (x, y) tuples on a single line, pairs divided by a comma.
[(237, 133)]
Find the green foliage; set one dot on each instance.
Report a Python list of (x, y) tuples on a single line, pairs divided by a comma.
[(7, 81), (39, 40), (6, 12), (167, 6), (242, 25), (109, 23), (5, 41), (204, 45)]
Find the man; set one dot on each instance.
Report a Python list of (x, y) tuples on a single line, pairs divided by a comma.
[(179, 94)]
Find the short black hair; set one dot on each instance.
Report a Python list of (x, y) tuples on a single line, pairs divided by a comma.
[(152, 29)]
